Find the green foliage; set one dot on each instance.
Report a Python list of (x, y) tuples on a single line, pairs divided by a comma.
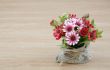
[(93, 23), (64, 43), (79, 45), (99, 33), (59, 20), (54, 23), (83, 39), (63, 17)]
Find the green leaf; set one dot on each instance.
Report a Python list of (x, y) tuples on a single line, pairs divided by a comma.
[(54, 23), (83, 39), (63, 17), (99, 33), (92, 22), (64, 43), (63, 46)]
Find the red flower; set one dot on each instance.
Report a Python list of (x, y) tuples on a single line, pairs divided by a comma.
[(57, 35), (84, 31), (92, 35), (88, 24), (58, 32)]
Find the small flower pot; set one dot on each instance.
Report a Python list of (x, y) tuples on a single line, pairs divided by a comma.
[(77, 56)]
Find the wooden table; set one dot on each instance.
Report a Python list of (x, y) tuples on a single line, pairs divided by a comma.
[(26, 41)]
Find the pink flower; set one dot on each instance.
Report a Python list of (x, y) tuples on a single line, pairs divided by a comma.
[(70, 21), (68, 28), (79, 23), (69, 25), (72, 38)]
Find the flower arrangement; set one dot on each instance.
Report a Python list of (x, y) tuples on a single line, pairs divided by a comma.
[(75, 32)]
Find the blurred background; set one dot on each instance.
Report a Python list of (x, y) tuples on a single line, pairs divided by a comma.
[(26, 40)]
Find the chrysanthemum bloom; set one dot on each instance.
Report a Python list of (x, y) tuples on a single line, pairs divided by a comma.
[(79, 23), (69, 25), (68, 28), (72, 38)]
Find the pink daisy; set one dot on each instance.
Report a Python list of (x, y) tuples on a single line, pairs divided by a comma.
[(72, 38), (70, 20), (69, 25), (79, 23), (68, 28)]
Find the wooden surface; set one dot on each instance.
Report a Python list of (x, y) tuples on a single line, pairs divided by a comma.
[(26, 41)]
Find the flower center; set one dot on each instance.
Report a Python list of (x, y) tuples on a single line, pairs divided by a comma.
[(76, 28), (73, 38), (69, 28)]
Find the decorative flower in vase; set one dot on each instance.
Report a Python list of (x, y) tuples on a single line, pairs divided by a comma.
[(76, 33)]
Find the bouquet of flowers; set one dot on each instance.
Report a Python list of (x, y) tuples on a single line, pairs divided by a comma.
[(76, 34)]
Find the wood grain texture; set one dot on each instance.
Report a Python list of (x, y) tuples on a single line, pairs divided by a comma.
[(26, 41)]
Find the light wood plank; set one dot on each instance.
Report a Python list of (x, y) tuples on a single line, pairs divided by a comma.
[(26, 41)]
